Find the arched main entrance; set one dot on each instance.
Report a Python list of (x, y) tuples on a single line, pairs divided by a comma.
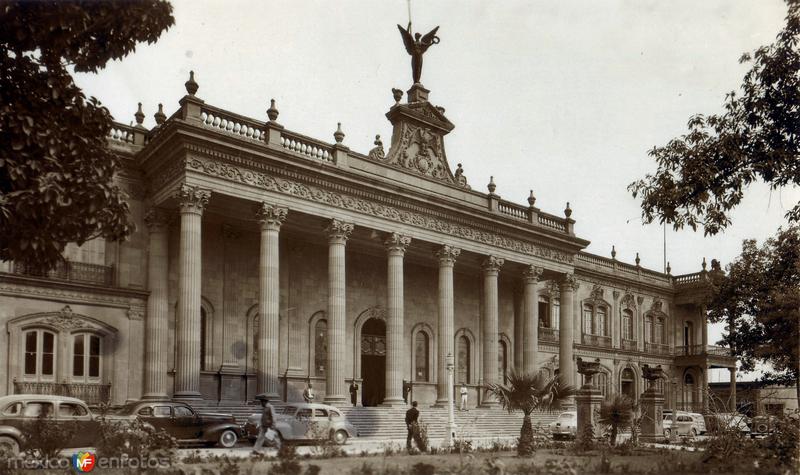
[(628, 383), (373, 362)]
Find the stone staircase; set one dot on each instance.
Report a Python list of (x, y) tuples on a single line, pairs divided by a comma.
[(389, 422)]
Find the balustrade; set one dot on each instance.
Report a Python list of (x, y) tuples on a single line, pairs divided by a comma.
[(656, 348), (514, 210), (548, 334), (92, 394), (629, 345), (553, 222), (72, 271), (597, 340), (231, 124), (307, 147)]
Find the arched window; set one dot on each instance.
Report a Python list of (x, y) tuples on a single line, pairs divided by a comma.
[(628, 383), (40, 355), (463, 360), (587, 319), (627, 324), (320, 347), (203, 334), (648, 328), (86, 354), (421, 357), (502, 361), (688, 335)]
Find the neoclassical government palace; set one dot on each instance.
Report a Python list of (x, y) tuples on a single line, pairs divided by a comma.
[(264, 260)]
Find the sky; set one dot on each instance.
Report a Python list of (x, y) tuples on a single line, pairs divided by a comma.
[(564, 98)]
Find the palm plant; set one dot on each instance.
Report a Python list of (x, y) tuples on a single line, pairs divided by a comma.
[(617, 412), (528, 392)]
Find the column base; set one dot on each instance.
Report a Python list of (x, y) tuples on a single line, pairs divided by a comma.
[(155, 396), (393, 402), (188, 396)]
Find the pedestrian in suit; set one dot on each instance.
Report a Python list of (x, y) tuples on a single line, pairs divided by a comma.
[(354, 393), (406, 390), (308, 393), (412, 424), (267, 428)]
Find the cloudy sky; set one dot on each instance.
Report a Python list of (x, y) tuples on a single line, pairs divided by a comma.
[(564, 98)]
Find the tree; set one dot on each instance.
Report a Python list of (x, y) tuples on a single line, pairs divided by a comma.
[(56, 171), (759, 300), (528, 392), (617, 412), (702, 175)]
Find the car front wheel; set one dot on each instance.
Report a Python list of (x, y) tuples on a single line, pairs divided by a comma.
[(228, 438), (9, 446), (340, 437)]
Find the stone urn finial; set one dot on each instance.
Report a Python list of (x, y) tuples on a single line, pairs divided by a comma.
[(704, 264), (338, 135), (588, 369), (272, 112), (669, 268), (531, 199), (637, 260), (567, 211), (139, 115), (397, 94), (613, 252), (191, 85), (491, 186), (160, 116)]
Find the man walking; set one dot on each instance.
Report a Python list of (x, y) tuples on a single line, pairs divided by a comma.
[(266, 430), (412, 416)]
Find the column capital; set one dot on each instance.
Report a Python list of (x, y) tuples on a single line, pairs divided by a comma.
[(192, 199), (569, 282), (447, 254), (532, 274), (397, 243), (338, 231), (270, 216), (156, 219), (492, 264)]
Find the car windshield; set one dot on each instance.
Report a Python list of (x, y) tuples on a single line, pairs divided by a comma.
[(566, 416)]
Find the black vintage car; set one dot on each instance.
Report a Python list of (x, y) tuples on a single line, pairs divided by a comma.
[(182, 422)]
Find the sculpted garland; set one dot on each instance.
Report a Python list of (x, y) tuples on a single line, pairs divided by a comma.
[(314, 193)]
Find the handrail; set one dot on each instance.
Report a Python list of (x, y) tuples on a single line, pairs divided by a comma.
[(230, 123), (514, 210), (554, 222), (306, 146)]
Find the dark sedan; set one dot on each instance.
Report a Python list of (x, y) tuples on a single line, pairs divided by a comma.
[(182, 422)]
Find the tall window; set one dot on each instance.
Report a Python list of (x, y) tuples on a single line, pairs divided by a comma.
[(587, 319), (600, 321), (40, 354), (627, 324), (502, 361), (320, 347), (658, 333), (463, 360), (544, 312), (421, 355), (628, 383), (85, 357), (648, 328)]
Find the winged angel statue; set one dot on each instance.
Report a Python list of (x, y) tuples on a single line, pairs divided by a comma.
[(416, 47)]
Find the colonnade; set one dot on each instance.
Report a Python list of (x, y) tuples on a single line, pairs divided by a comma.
[(192, 202)]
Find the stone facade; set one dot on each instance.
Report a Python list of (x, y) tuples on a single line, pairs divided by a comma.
[(264, 260)]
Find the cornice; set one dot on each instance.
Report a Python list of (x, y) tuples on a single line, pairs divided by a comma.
[(366, 202)]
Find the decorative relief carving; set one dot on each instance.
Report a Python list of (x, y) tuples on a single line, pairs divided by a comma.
[(192, 199), (554, 290), (397, 242), (532, 273), (156, 219), (338, 230), (421, 151), (61, 294), (271, 216), (657, 306), (66, 320), (346, 201), (447, 254), (492, 264), (596, 293), (377, 152), (628, 301), (136, 313), (570, 282)]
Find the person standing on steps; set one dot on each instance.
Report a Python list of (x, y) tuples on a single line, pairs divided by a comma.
[(464, 397), (354, 393), (412, 424), (308, 393), (406, 390)]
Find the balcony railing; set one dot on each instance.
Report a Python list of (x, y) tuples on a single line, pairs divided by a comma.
[(629, 345), (701, 350), (597, 340), (656, 348), (548, 334), (72, 271), (92, 394)]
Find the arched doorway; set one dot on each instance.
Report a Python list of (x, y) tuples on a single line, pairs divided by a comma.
[(628, 383), (373, 362), (688, 392)]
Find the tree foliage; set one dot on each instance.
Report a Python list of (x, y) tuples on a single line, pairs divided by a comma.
[(759, 300), (56, 171), (703, 174), (616, 411), (528, 392)]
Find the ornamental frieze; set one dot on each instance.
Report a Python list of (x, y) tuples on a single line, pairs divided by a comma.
[(360, 205)]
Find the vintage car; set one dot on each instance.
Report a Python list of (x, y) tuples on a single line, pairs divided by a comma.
[(20, 410), (727, 421), (687, 424), (185, 424), (762, 426), (305, 422), (565, 426)]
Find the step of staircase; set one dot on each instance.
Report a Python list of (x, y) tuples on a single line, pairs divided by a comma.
[(389, 422)]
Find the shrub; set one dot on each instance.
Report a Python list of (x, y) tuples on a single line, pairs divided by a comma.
[(461, 446), (422, 468), (135, 439), (287, 461), (44, 438)]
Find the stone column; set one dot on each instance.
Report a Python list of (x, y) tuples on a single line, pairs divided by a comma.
[(187, 332), (531, 318), (446, 332), (156, 331), (271, 217), (396, 246), (491, 269), (338, 232), (733, 389), (569, 285)]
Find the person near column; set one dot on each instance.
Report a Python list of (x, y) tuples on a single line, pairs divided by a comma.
[(308, 393), (412, 424), (406, 390), (267, 427), (464, 396), (353, 393)]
